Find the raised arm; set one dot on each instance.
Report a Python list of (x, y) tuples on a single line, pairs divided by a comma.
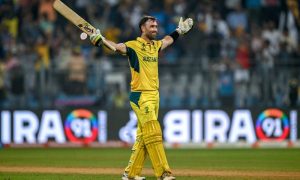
[(183, 28), (97, 39)]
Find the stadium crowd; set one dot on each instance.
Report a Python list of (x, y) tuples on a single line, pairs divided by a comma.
[(240, 53)]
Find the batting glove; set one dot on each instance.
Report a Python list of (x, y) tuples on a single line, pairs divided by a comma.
[(97, 38), (184, 26)]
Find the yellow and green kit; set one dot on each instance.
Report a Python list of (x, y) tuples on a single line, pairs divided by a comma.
[(144, 100)]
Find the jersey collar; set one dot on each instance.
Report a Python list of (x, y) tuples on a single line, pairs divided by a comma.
[(144, 41)]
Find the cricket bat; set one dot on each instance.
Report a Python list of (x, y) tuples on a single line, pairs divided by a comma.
[(78, 21)]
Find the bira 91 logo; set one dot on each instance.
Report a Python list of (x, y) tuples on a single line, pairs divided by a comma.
[(272, 124), (81, 126)]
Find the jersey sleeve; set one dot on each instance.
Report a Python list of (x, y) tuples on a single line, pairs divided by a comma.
[(158, 44), (129, 45)]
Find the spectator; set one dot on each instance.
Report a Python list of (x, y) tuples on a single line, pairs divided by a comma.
[(232, 4), (266, 65), (229, 46), (284, 55), (226, 86), (11, 22), (293, 92), (214, 44), (46, 9), (243, 53), (17, 87), (46, 25), (254, 9), (237, 19), (2, 86), (113, 33), (256, 41), (271, 11), (15, 76), (42, 63), (30, 30), (221, 25), (287, 39), (77, 74), (120, 98), (272, 34)]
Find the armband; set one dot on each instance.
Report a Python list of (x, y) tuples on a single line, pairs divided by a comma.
[(174, 35)]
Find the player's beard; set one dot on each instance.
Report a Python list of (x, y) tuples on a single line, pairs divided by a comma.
[(151, 35)]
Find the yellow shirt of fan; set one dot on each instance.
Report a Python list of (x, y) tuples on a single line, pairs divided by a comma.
[(143, 61)]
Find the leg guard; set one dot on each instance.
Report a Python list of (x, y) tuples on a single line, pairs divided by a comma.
[(152, 137), (137, 158)]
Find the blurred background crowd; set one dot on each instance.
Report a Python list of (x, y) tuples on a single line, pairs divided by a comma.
[(240, 53)]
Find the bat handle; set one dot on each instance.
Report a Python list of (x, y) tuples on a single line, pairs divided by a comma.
[(107, 44)]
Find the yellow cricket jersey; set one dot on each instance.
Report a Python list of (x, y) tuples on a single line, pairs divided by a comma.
[(143, 60)]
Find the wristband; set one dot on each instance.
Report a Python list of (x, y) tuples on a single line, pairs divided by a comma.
[(174, 35)]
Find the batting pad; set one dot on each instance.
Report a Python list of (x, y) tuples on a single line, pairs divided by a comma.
[(152, 137), (137, 158)]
